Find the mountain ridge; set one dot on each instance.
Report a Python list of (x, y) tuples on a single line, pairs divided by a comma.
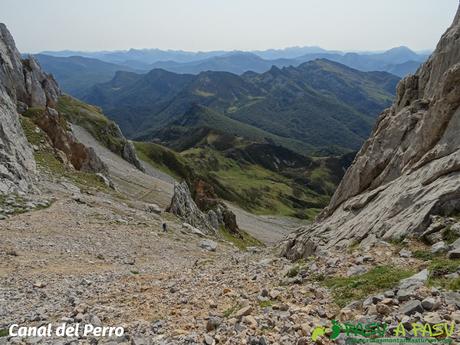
[(399, 61), (325, 92)]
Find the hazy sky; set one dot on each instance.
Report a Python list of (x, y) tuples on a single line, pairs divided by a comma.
[(225, 24)]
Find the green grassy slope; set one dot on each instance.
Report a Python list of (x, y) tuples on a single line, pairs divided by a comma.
[(244, 173), (94, 121)]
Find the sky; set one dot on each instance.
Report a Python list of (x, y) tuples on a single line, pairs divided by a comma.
[(204, 25)]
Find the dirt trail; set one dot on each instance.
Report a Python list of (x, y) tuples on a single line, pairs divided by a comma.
[(151, 187)]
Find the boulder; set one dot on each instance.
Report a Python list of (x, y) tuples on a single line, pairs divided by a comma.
[(432, 318), (129, 153), (414, 281), (455, 228), (455, 245), (430, 304), (452, 298), (439, 247), (411, 307), (218, 212)]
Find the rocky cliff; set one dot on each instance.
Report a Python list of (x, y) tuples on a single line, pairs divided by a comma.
[(407, 170), (20, 85), (25, 89)]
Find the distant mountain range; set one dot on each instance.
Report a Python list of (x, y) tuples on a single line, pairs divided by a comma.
[(78, 71), (320, 105), (75, 73), (150, 56)]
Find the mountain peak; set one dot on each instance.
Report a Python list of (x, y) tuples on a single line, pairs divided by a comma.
[(400, 49)]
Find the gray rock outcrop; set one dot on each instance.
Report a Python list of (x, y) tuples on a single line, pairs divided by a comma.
[(16, 158), (129, 154), (407, 170), (23, 84), (183, 206)]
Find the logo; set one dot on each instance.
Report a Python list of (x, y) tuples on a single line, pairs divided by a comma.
[(376, 332)]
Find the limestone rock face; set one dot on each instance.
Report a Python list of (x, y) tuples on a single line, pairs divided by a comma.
[(81, 157), (41, 88), (407, 170), (129, 154), (183, 206), (16, 159), (217, 211), (23, 84)]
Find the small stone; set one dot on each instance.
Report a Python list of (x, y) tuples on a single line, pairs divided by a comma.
[(153, 208), (432, 318), (404, 253), (455, 316), (79, 317), (213, 323), (356, 270), (372, 310), (452, 298), (283, 307), (415, 281), (388, 301), (389, 294), (435, 291), (439, 247), (243, 312), (455, 245), (129, 261), (404, 295), (208, 245), (345, 314), (139, 341), (274, 294), (377, 298), (352, 305), (208, 340), (383, 309), (250, 321), (429, 303), (303, 341), (411, 307), (264, 293), (95, 321)]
